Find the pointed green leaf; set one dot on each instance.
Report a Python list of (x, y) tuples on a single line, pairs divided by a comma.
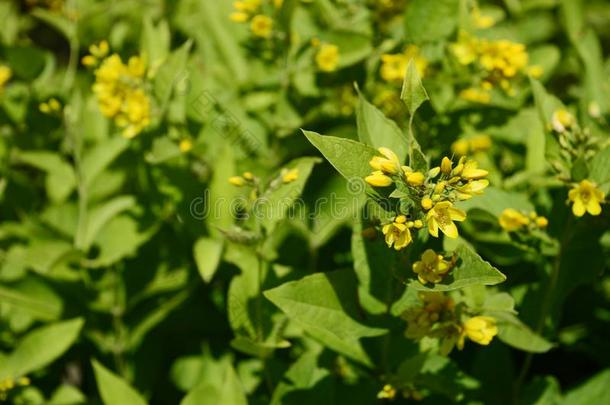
[(413, 92), (207, 254), (376, 130), (113, 389), (515, 333), (41, 347), (596, 390), (471, 270), (324, 305), (350, 158)]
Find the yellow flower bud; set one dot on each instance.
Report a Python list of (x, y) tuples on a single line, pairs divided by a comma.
[(426, 203), (237, 181), (378, 179), (415, 179), (446, 165), (418, 224), (542, 222)]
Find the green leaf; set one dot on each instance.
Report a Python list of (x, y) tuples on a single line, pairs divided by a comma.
[(430, 21), (376, 130), (515, 333), (99, 216), (171, 73), (350, 158), (600, 168), (155, 41), (596, 390), (471, 270), (207, 254), (230, 390), (60, 180), (26, 62), (113, 389), (413, 92), (272, 207), (100, 157), (32, 295), (41, 347), (324, 305), (222, 193), (495, 200)]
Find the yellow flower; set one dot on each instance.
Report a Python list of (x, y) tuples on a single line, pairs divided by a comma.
[(431, 268), (288, 176), (460, 147), (327, 57), (476, 95), (378, 179), (479, 329), (536, 71), (100, 50), (394, 66), (586, 198), (247, 5), (512, 220), (472, 188), (261, 26), (389, 164), (465, 50), (479, 143), (442, 216), (562, 120), (237, 181), (388, 392), (397, 233), (542, 222), (239, 17), (5, 75), (482, 21), (185, 145), (278, 3), (471, 171)]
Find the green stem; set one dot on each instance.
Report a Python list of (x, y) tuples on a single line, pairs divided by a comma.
[(545, 309)]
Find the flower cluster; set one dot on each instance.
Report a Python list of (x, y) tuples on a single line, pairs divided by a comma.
[(497, 62), (261, 25), (438, 316), (120, 89), (10, 383), (434, 193), (432, 267), (5, 75), (427, 320), (512, 220), (394, 66), (586, 197)]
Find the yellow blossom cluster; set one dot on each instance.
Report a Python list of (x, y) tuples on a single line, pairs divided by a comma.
[(5, 75), (432, 267), (251, 11), (512, 220), (248, 179), (436, 308), (10, 383), (120, 89), (435, 196), (586, 197), (474, 144), (394, 66), (499, 62), (437, 317)]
